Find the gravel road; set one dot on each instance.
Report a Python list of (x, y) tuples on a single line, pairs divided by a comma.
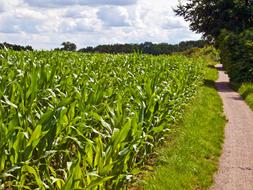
[(236, 163)]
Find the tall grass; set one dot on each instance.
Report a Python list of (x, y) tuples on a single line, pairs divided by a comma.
[(246, 91), (86, 121)]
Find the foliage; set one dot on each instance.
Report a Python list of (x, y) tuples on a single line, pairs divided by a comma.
[(209, 17), (146, 48), (67, 46), (189, 160), (237, 54), (75, 121), (15, 47), (211, 54), (246, 91)]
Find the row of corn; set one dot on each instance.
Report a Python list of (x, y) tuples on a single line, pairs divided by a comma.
[(86, 121)]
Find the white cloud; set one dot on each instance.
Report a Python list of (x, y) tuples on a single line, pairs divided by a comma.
[(2, 9), (108, 2), (76, 12), (19, 24), (79, 25), (50, 3), (114, 16), (173, 23), (7, 5), (23, 13), (62, 3), (47, 23)]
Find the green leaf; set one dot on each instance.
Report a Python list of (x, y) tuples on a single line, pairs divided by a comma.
[(35, 137), (122, 134), (31, 170), (98, 182), (7, 101)]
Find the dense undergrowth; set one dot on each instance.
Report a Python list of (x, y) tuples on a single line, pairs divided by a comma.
[(86, 121), (246, 91), (236, 51)]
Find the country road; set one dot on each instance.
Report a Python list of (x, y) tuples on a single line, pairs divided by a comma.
[(236, 163)]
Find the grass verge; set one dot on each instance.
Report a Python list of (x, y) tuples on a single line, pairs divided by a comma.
[(190, 160), (246, 91)]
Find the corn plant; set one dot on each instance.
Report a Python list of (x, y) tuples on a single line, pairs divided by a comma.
[(86, 121)]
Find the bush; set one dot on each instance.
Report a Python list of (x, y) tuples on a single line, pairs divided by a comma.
[(237, 54), (210, 53)]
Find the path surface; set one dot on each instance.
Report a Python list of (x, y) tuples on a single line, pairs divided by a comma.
[(236, 162)]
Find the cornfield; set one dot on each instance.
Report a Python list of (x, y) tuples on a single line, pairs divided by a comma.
[(86, 121)]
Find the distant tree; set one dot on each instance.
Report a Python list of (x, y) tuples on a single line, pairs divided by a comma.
[(29, 48), (89, 49), (68, 46), (146, 48), (15, 47)]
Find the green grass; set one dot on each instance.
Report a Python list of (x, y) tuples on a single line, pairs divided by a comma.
[(190, 159), (246, 91)]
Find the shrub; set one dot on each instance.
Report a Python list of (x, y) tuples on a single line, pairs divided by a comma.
[(237, 54)]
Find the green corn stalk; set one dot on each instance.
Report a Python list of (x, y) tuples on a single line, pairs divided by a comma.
[(86, 121)]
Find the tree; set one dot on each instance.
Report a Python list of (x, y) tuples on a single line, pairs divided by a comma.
[(146, 48), (16, 47), (68, 46), (209, 17), (228, 23), (236, 53)]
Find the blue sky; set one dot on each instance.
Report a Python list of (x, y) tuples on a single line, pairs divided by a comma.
[(45, 24)]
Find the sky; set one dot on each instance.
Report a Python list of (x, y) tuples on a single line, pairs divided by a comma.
[(45, 24)]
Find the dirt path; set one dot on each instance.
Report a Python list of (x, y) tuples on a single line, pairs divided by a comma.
[(236, 163)]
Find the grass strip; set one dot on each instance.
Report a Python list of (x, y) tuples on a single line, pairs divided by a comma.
[(190, 160), (246, 91)]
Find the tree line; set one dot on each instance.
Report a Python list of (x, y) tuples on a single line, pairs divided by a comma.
[(146, 47), (15, 47)]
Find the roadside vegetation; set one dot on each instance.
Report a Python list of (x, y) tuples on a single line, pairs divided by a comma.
[(228, 25), (246, 91), (190, 157), (237, 58)]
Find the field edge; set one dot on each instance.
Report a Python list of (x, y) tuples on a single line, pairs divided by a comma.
[(190, 159)]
